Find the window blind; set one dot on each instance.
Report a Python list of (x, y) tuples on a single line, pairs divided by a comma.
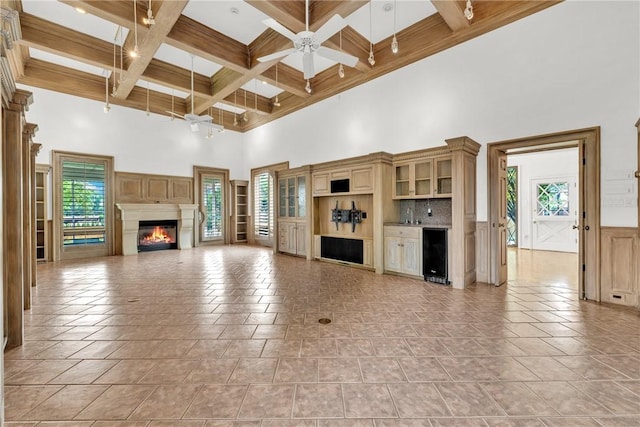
[(83, 203), (263, 208)]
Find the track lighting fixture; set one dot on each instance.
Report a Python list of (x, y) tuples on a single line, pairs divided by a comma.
[(149, 20), (135, 53), (468, 11), (308, 86), (394, 42), (371, 59)]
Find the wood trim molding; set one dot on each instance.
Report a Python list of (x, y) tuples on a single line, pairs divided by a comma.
[(637, 175), (620, 274)]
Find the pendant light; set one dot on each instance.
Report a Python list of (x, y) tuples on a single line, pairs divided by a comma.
[(341, 67), (308, 86), (107, 107), (135, 53), (276, 102), (221, 129), (235, 104), (113, 73), (121, 54), (394, 42), (245, 117), (209, 128), (255, 96), (372, 60), (149, 20), (468, 11)]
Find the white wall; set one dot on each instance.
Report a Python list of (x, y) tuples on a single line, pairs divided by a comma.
[(139, 143), (546, 164), (571, 66)]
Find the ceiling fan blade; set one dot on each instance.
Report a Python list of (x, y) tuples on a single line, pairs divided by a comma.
[(336, 55), (332, 26), (277, 55), (198, 119), (276, 26), (307, 65), (174, 114)]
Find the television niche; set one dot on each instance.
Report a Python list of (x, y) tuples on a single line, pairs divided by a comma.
[(353, 216)]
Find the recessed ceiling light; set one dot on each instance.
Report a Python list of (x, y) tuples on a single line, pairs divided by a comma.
[(80, 10), (387, 7), (235, 11)]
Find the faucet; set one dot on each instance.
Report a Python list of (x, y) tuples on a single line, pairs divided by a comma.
[(410, 215)]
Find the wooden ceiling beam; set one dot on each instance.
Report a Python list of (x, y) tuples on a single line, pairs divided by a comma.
[(264, 103), (56, 39), (452, 11), (148, 44), (289, 79), (204, 42), (322, 10), (289, 13)]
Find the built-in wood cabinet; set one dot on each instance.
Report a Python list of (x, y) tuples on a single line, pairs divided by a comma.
[(293, 211), (358, 180), (422, 178), (42, 233), (403, 250), (239, 214)]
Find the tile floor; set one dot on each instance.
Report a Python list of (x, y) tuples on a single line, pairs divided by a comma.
[(229, 336)]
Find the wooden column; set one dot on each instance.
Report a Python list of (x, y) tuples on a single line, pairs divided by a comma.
[(28, 193), (12, 193), (35, 149), (462, 237)]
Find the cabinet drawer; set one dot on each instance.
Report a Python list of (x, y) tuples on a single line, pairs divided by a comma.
[(400, 231)]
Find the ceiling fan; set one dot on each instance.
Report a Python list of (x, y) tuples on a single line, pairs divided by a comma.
[(309, 43), (195, 120)]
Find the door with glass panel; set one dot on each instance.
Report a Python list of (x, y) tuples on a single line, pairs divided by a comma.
[(554, 214), (82, 200), (212, 208)]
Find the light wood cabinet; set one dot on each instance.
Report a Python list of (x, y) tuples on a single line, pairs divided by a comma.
[(423, 178), (292, 237), (403, 250), (42, 235), (239, 216), (413, 180), (292, 196), (360, 181)]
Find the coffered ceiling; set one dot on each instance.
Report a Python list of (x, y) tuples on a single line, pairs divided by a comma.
[(81, 47)]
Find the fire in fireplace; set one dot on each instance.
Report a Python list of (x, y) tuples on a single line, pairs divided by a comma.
[(157, 235)]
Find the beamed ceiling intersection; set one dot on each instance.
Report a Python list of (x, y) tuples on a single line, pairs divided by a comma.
[(236, 61)]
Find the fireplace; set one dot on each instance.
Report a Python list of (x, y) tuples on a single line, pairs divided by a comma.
[(157, 235), (132, 215)]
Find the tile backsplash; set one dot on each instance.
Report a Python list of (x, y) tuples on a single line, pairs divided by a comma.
[(440, 211)]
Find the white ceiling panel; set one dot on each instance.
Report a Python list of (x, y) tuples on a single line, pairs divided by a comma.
[(182, 59), (234, 18), (163, 89), (67, 16), (382, 11), (70, 63), (262, 88)]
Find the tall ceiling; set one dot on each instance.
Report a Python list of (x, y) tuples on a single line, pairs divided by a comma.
[(81, 47)]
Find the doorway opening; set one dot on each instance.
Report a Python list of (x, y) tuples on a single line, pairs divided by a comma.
[(557, 220)]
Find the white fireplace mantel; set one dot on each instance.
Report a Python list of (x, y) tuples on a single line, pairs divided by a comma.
[(132, 213)]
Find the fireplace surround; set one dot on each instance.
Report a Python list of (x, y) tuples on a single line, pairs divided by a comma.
[(130, 215)]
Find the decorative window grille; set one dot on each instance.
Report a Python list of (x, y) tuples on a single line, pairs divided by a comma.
[(552, 199), (512, 206)]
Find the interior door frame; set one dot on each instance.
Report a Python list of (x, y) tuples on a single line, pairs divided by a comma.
[(198, 171), (588, 142)]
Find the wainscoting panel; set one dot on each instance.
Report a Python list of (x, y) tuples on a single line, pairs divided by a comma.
[(482, 251), (145, 188), (620, 273)]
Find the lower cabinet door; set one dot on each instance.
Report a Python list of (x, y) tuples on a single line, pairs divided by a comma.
[(412, 254), (301, 239), (393, 254)]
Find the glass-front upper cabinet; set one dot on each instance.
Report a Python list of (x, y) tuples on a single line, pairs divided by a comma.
[(292, 196), (302, 197)]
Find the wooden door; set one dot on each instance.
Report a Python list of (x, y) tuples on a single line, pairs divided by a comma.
[(555, 214), (212, 207), (501, 270)]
